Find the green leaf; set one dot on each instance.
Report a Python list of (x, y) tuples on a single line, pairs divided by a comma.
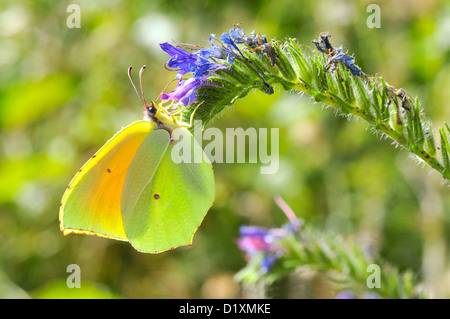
[(445, 150), (301, 67), (284, 65), (419, 135), (361, 93), (395, 120), (343, 106)]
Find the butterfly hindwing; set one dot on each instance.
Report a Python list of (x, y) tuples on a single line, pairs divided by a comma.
[(164, 201)]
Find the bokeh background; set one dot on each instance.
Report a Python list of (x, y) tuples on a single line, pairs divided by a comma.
[(64, 92)]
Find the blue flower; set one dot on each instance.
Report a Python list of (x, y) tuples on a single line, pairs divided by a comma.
[(340, 56), (253, 40), (208, 53), (225, 52), (203, 62), (238, 36), (336, 55), (200, 64), (226, 38), (180, 59)]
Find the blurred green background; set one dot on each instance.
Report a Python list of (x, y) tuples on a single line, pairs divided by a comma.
[(64, 92)]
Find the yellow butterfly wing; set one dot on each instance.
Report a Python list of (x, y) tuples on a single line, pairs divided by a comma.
[(91, 203)]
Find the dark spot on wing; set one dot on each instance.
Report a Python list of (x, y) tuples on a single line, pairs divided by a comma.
[(108, 170), (156, 196)]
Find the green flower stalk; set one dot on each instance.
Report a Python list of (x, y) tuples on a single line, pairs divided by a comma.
[(331, 77), (237, 63), (274, 253)]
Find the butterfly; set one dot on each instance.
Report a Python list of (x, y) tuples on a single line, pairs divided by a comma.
[(133, 190)]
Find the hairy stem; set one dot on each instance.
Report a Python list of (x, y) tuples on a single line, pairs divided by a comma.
[(383, 127)]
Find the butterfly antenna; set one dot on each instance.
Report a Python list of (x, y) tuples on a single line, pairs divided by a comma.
[(140, 82), (134, 86)]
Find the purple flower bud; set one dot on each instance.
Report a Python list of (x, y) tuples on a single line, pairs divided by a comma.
[(253, 240), (259, 242), (201, 64)]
